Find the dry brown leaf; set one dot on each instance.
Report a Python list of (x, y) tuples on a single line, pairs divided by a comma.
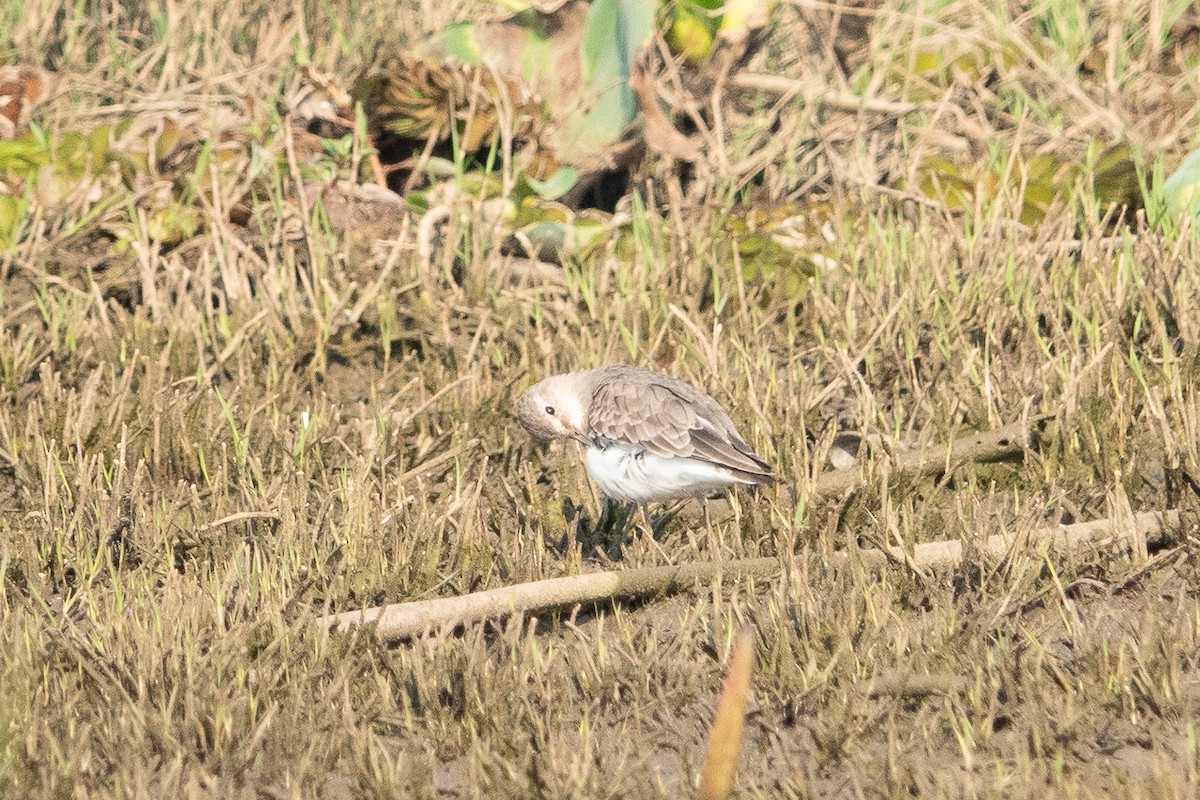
[(22, 88)]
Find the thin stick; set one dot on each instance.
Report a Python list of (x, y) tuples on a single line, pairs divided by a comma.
[(984, 447), (239, 517), (839, 101), (403, 620)]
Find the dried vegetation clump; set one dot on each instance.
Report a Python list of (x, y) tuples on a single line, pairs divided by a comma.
[(257, 361)]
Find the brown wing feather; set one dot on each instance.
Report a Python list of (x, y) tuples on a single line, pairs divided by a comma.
[(669, 418)]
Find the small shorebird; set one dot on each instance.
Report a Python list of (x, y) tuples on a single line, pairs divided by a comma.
[(648, 437)]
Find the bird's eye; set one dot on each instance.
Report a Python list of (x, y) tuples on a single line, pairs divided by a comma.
[(550, 410)]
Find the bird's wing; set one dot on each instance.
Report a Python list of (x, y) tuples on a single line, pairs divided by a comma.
[(664, 421)]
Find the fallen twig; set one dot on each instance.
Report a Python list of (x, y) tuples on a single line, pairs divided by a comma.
[(240, 516), (405, 619), (402, 620), (829, 98), (981, 448)]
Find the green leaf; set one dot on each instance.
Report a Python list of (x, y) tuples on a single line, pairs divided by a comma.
[(556, 185), (173, 224), (689, 35), (550, 239), (23, 156), (1115, 177), (461, 42), (168, 140), (98, 146), (536, 56), (613, 35), (12, 212), (1182, 189)]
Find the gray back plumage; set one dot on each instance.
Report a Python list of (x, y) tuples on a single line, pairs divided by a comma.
[(669, 418)]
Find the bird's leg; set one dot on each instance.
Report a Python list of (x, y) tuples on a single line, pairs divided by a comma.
[(659, 524), (612, 526), (616, 517), (604, 521), (652, 533), (644, 511)]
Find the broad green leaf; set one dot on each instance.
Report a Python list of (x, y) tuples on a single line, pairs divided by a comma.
[(167, 140), (535, 56), (694, 25), (461, 42), (1040, 175), (1115, 177), (173, 224), (927, 61), (98, 146), (614, 34), (23, 156), (941, 179), (556, 185), (1182, 189), (550, 240), (689, 35)]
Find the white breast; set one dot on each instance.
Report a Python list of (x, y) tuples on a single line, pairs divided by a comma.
[(628, 473)]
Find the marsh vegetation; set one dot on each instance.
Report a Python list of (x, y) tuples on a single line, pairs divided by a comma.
[(236, 394)]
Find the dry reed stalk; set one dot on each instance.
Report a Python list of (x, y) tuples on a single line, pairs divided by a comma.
[(403, 620)]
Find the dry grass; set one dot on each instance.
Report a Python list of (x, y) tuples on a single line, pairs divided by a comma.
[(204, 446)]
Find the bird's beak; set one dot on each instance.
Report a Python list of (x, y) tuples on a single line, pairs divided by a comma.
[(579, 437)]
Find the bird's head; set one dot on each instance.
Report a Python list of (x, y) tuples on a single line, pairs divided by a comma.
[(555, 408)]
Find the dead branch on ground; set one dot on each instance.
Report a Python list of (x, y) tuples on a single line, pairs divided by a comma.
[(403, 620)]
